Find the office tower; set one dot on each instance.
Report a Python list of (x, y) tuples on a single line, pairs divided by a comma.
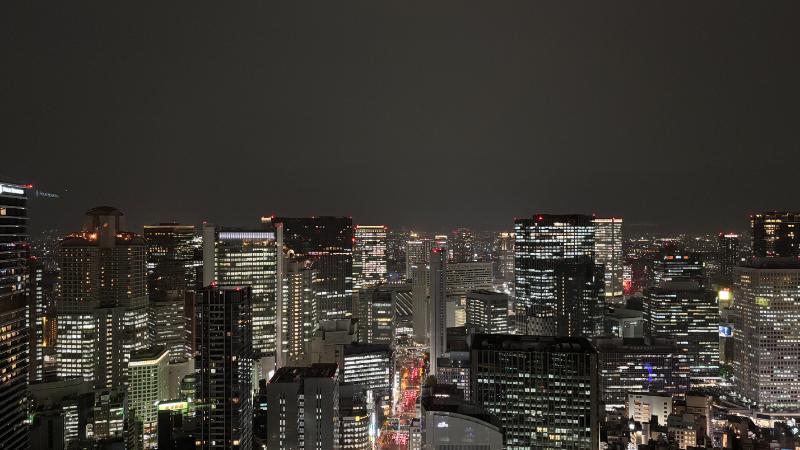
[(437, 306), (558, 287), (678, 266), (505, 256), (102, 306), (377, 315), (608, 253), (14, 341), (304, 409), (776, 233), (41, 315), (637, 365), (168, 323), (462, 245), (689, 314), (418, 253), (329, 339), (354, 421), (148, 386), (419, 292), (766, 365), (172, 257), (543, 389), (727, 256), (448, 422), (368, 365), (463, 277), (224, 366), (369, 255), (404, 312), (299, 312), (489, 310), (233, 256), (328, 243), (396, 255), (454, 370)]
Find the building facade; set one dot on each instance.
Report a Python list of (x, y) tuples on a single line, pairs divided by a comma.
[(489, 310), (369, 255), (775, 233), (608, 253)]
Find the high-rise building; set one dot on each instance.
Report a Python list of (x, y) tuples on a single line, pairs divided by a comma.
[(505, 256), (489, 310), (224, 368), (448, 422), (354, 421), (437, 306), (689, 314), (766, 364), (776, 233), (419, 293), (233, 256), (727, 256), (462, 245), (328, 243), (369, 255), (168, 324), (148, 386), (608, 252), (418, 253), (298, 313), (638, 365), (377, 314), (678, 266), (173, 259), (463, 277), (102, 306), (14, 341), (41, 317), (303, 408), (543, 389), (558, 287)]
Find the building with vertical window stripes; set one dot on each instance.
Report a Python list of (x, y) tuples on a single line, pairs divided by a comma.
[(303, 408), (234, 256), (298, 313), (766, 362), (224, 368), (543, 389), (369, 255), (14, 340), (437, 306), (558, 287), (608, 253), (776, 233)]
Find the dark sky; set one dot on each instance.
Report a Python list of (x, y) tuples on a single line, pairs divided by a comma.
[(431, 114)]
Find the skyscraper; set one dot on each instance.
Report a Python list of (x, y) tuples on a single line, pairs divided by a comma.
[(689, 314), (776, 233), (147, 386), (173, 261), (543, 389), (328, 243), (558, 286), (14, 341), (437, 310), (505, 256), (671, 265), (727, 256), (418, 253), (102, 307), (224, 367), (608, 252), (462, 245), (766, 365), (233, 256), (489, 310), (369, 255), (299, 313)]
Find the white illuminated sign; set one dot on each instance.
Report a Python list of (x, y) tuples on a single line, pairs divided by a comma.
[(6, 189)]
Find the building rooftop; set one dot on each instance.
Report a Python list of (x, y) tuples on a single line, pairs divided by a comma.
[(772, 263), (527, 343), (290, 374), (358, 348), (609, 344)]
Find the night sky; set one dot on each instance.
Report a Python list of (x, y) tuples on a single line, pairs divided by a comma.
[(427, 114)]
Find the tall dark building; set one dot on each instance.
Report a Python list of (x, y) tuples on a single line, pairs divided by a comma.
[(727, 256), (173, 256), (543, 389), (14, 343), (328, 242), (558, 286), (776, 233), (224, 365)]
